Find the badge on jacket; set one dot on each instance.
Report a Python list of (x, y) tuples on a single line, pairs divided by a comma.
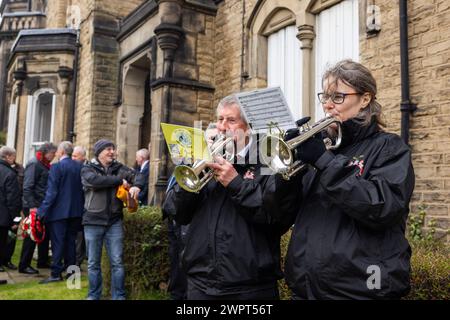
[(357, 162), (250, 174)]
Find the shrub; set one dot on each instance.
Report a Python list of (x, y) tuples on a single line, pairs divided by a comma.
[(2, 138), (146, 258)]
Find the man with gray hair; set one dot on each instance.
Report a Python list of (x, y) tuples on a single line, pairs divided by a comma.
[(142, 160), (10, 202), (79, 154), (62, 209)]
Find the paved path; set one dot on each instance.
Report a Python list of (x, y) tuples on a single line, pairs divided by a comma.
[(13, 276)]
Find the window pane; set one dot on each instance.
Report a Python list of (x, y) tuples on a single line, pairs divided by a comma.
[(43, 118), (284, 67), (337, 38)]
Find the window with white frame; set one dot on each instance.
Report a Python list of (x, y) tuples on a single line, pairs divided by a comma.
[(337, 38), (40, 121), (284, 66)]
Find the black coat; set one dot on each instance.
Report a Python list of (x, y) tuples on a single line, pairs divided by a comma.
[(233, 242), (10, 202), (352, 220), (34, 184), (101, 205)]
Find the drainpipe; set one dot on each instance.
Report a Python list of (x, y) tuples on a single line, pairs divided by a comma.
[(70, 132), (406, 107)]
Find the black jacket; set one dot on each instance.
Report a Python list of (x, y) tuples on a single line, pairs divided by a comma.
[(101, 205), (34, 184), (352, 220), (10, 202), (233, 242)]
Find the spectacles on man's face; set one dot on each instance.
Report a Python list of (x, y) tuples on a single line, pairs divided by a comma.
[(336, 97)]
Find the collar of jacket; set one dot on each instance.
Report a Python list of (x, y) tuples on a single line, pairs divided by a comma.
[(353, 131), (97, 165), (6, 164)]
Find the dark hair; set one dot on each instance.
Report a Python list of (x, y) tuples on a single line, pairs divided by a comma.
[(47, 147), (359, 78)]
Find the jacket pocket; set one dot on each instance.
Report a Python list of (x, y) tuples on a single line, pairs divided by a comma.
[(96, 201)]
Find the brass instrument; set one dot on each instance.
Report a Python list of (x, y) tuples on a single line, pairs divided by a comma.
[(278, 154), (193, 179)]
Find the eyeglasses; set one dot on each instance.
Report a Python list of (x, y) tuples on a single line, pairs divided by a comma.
[(336, 97)]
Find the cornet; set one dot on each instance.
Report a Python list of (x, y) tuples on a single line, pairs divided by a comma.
[(193, 179), (278, 154)]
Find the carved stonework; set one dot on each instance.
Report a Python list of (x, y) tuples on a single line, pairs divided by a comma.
[(306, 36)]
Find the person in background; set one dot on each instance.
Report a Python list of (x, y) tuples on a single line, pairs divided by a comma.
[(62, 209), (34, 188), (142, 160), (79, 154), (10, 202), (11, 246), (103, 216)]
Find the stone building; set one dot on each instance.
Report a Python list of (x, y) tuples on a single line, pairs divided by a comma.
[(83, 70)]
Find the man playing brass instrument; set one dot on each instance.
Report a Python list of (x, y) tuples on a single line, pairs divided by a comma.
[(236, 221)]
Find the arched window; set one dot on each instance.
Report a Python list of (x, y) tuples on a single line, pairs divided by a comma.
[(40, 121)]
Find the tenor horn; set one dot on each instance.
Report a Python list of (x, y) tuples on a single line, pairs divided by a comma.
[(193, 179), (279, 155)]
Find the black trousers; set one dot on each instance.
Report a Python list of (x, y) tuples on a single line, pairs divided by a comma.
[(177, 278), (27, 252), (10, 247), (3, 244), (81, 248), (258, 294)]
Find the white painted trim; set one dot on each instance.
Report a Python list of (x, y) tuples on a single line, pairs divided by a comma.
[(31, 121), (12, 126)]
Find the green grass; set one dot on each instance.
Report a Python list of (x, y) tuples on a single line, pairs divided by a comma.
[(34, 291)]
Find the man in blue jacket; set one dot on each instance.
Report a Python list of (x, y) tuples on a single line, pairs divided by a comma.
[(62, 209)]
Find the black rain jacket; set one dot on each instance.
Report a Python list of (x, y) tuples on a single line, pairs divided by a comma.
[(349, 241), (10, 202)]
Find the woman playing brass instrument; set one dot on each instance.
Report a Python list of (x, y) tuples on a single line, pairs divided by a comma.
[(349, 241)]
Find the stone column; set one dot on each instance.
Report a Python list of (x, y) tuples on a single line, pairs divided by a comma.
[(306, 36), (169, 34)]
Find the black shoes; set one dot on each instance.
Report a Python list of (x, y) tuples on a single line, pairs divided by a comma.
[(3, 281), (51, 279), (10, 266), (28, 270), (2, 269)]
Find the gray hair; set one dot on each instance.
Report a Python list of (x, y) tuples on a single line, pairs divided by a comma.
[(79, 149), (229, 101), (67, 147), (144, 153), (6, 151), (361, 79)]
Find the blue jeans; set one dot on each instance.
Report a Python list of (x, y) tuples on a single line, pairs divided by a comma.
[(113, 238)]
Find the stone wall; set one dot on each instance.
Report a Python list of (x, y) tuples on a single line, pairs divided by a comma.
[(429, 54)]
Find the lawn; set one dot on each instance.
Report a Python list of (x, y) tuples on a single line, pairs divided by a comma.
[(32, 290)]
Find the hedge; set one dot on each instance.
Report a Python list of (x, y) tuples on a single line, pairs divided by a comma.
[(146, 260), (146, 257)]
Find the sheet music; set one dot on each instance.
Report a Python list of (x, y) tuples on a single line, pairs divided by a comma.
[(263, 106)]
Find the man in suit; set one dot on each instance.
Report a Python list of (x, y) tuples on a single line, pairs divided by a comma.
[(142, 160), (62, 209)]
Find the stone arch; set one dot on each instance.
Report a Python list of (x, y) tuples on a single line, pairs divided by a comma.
[(134, 116)]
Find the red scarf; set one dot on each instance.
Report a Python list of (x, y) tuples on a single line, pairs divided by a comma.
[(40, 157)]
